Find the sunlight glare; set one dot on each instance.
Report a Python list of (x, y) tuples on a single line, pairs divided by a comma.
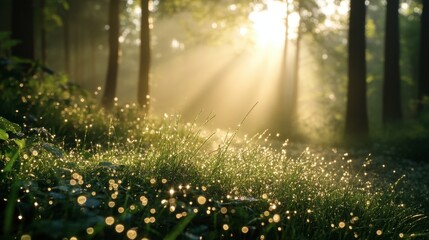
[(333, 10), (268, 22), (138, 11)]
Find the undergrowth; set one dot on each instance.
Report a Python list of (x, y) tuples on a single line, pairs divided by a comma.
[(70, 170)]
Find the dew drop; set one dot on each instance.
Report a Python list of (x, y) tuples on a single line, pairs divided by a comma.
[(132, 234), (25, 237), (109, 220), (119, 228), (201, 200), (81, 200), (225, 227), (90, 231), (276, 218)]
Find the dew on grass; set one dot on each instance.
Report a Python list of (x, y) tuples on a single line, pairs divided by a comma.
[(201, 200), (379, 232), (90, 230), (341, 224), (132, 234), (119, 228), (121, 210), (276, 218), (81, 200), (26, 237), (266, 213), (225, 227), (172, 208), (109, 220)]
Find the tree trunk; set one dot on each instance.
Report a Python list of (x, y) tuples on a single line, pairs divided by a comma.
[(23, 28), (294, 94), (424, 58), (42, 32), (66, 40), (392, 85), (143, 83), (356, 125), (283, 79), (112, 68)]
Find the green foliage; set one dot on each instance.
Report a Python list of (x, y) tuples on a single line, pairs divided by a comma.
[(51, 13), (10, 146), (6, 44), (124, 175), (179, 181)]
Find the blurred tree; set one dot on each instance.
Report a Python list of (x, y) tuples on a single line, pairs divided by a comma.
[(42, 6), (289, 106), (356, 112), (143, 82), (392, 109), (23, 28), (283, 79), (112, 68), (295, 80), (65, 19), (424, 57)]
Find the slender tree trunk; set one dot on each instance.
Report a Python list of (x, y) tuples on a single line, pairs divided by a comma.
[(66, 40), (93, 49), (42, 32), (112, 68), (424, 57), (356, 126), (283, 79), (23, 28), (295, 80), (392, 78), (143, 83)]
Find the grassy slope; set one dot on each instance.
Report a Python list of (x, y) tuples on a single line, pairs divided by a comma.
[(122, 175)]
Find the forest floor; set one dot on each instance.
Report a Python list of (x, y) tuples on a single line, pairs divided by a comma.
[(71, 170)]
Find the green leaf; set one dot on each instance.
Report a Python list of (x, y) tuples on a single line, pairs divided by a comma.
[(9, 126), (20, 143), (180, 227), (12, 160), (3, 135)]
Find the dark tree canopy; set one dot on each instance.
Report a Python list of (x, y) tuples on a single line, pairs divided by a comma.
[(356, 112)]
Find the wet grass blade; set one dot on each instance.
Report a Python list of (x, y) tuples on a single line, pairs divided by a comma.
[(180, 227)]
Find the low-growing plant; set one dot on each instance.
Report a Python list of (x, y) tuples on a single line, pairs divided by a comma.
[(82, 173), (186, 184)]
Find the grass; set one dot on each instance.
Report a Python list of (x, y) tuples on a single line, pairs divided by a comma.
[(122, 175)]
